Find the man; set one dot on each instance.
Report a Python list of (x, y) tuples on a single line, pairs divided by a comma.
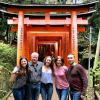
[(77, 79), (35, 69), (52, 56)]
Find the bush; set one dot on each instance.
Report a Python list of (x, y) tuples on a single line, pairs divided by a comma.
[(96, 72), (7, 55)]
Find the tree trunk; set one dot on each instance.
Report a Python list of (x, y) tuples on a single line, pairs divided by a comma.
[(97, 51)]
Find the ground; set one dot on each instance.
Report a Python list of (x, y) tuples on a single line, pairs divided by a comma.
[(54, 96), (90, 95)]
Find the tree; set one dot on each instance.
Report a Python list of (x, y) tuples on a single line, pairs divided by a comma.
[(95, 22)]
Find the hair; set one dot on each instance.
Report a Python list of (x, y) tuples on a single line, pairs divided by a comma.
[(21, 60), (35, 53), (59, 57), (71, 54)]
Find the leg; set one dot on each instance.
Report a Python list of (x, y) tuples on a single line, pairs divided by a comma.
[(71, 95), (59, 93), (17, 94), (49, 91), (75, 95), (23, 93), (32, 96), (43, 91), (64, 94), (28, 92), (37, 91)]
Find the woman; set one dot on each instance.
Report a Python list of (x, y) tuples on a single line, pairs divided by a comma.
[(61, 83), (19, 77), (47, 79)]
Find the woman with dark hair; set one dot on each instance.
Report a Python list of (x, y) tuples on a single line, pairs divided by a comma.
[(47, 79), (61, 83), (19, 78)]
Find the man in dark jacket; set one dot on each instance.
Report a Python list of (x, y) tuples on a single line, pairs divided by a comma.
[(77, 79)]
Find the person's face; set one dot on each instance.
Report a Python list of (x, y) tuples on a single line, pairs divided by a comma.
[(52, 53), (34, 58), (59, 62), (70, 59), (48, 61), (24, 63)]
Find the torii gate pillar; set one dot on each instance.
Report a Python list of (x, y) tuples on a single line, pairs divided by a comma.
[(20, 41), (74, 44), (44, 29)]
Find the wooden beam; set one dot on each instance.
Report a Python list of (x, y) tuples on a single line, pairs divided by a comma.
[(48, 21), (50, 30), (45, 10)]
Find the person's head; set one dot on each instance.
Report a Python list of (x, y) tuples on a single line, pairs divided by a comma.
[(48, 61), (23, 62), (59, 61), (70, 59), (52, 53), (34, 57)]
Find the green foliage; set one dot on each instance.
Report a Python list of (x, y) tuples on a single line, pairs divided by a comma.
[(25, 1), (95, 19), (96, 72), (4, 82), (96, 77), (84, 43), (7, 55), (7, 62), (3, 25)]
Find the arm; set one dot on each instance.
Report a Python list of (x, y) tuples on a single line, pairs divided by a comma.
[(84, 79), (13, 77), (14, 74), (66, 71)]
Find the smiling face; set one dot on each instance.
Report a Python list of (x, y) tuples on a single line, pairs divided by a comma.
[(24, 63), (48, 61), (34, 57), (70, 59), (59, 62)]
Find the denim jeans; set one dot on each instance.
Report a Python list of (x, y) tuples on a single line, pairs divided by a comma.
[(62, 93), (75, 95), (35, 91), (46, 91), (27, 92), (19, 93)]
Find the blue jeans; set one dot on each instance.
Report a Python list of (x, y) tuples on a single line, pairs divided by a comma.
[(75, 95), (19, 93), (62, 93), (35, 91), (27, 92), (46, 91)]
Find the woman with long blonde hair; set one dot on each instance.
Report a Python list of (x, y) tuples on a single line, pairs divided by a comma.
[(47, 79)]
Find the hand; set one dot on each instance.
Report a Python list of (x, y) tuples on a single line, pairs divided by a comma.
[(82, 97)]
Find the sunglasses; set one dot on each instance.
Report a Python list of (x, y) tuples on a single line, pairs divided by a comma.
[(35, 69)]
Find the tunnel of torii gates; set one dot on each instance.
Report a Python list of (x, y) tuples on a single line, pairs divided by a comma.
[(47, 28)]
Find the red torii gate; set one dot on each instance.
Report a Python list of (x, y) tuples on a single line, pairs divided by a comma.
[(57, 29)]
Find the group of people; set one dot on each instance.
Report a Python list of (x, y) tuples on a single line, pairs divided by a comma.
[(30, 79)]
